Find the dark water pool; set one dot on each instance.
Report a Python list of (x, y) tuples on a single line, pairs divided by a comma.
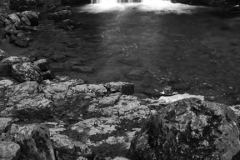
[(197, 53)]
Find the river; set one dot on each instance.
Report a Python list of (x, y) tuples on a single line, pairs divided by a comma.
[(159, 46)]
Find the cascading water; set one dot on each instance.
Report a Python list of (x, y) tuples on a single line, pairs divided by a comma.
[(158, 6), (114, 1)]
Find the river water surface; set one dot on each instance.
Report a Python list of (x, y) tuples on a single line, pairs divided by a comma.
[(157, 46)]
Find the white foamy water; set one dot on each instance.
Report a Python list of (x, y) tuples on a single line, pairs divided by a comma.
[(158, 6)]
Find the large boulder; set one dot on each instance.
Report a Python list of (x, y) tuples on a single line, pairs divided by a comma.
[(189, 129)]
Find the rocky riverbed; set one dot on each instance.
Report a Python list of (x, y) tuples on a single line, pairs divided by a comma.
[(44, 116)]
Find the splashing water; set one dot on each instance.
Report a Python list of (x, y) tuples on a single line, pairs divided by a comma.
[(158, 6)]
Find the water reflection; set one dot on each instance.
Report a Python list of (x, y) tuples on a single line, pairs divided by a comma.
[(156, 47)]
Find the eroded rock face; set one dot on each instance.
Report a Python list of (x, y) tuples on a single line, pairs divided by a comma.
[(189, 129)]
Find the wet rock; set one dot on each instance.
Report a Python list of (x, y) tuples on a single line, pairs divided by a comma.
[(69, 24), (26, 72), (188, 129), (14, 18), (25, 20), (11, 29), (5, 64), (60, 15), (21, 43), (5, 123), (42, 64), (34, 140), (152, 93), (62, 78), (48, 75), (135, 74), (14, 59), (83, 69), (9, 150), (28, 28), (21, 36), (32, 16), (123, 87)]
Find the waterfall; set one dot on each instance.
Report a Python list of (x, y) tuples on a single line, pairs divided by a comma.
[(157, 6), (115, 1), (125, 1)]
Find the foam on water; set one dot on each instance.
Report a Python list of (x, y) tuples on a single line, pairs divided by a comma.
[(158, 6)]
